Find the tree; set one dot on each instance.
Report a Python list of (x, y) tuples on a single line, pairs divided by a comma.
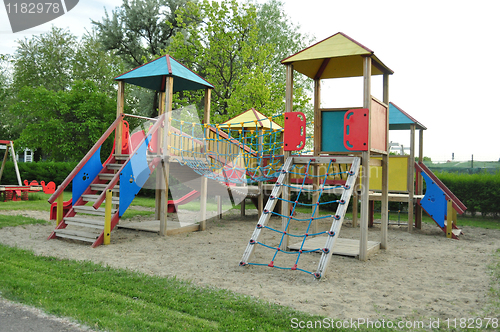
[(140, 29), (5, 96), (220, 42), (91, 62), (45, 60), (66, 123), (52, 63)]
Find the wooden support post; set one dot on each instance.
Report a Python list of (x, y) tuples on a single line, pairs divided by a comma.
[(260, 198), (365, 155), (411, 177), (4, 160), (316, 150), (120, 104), (355, 203), (159, 176), (107, 217), (449, 218), (60, 209), (371, 216), (285, 193), (419, 179), (14, 159), (165, 169), (384, 222), (242, 207), (219, 207), (204, 180)]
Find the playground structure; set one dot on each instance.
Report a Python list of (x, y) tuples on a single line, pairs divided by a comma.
[(15, 192), (227, 159), (358, 132), (193, 153)]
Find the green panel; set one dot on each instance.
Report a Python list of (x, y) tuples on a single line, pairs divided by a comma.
[(332, 131)]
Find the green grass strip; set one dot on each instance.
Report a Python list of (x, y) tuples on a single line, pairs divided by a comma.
[(120, 300), (12, 221)]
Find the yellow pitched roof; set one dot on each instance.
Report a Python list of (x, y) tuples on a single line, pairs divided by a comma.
[(334, 57), (249, 119)]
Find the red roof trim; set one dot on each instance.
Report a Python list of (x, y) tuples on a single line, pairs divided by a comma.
[(168, 64)]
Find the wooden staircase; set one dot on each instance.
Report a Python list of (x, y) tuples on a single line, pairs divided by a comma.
[(83, 222)]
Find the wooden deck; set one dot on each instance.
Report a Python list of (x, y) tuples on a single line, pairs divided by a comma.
[(342, 247)]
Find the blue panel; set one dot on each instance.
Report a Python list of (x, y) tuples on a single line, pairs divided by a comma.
[(434, 201), (133, 177), (86, 175), (332, 131)]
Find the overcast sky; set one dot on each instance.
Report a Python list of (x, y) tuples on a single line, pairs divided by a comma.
[(443, 54)]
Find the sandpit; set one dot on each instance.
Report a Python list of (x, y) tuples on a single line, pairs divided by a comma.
[(421, 275)]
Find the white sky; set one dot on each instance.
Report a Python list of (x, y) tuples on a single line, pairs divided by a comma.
[(443, 54)]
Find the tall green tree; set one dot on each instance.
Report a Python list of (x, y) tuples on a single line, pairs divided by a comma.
[(5, 96), (91, 62), (46, 71), (140, 29), (67, 123), (45, 60), (220, 42), (278, 30)]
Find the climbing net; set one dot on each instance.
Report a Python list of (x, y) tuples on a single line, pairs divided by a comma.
[(302, 190), (238, 153)]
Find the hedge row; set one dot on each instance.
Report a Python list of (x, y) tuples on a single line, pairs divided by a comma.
[(40, 171), (479, 192), (51, 171)]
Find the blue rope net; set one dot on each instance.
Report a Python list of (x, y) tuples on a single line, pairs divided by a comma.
[(302, 190), (237, 153)]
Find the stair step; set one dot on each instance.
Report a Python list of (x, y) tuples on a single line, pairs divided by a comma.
[(114, 166), (90, 210), (121, 156), (85, 222), (93, 198), (77, 235), (106, 176), (102, 186), (456, 232)]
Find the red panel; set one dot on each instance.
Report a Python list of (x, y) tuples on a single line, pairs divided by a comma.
[(356, 129), (295, 131)]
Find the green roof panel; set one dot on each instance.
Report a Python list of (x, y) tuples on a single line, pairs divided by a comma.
[(151, 76), (400, 120)]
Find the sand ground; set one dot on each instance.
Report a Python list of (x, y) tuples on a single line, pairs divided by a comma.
[(421, 275)]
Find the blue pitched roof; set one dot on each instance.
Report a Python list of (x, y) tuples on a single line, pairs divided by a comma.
[(400, 120), (152, 76)]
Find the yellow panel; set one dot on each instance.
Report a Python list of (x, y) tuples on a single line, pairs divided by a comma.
[(398, 174)]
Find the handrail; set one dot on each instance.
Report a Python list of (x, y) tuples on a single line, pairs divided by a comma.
[(116, 178), (82, 163)]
